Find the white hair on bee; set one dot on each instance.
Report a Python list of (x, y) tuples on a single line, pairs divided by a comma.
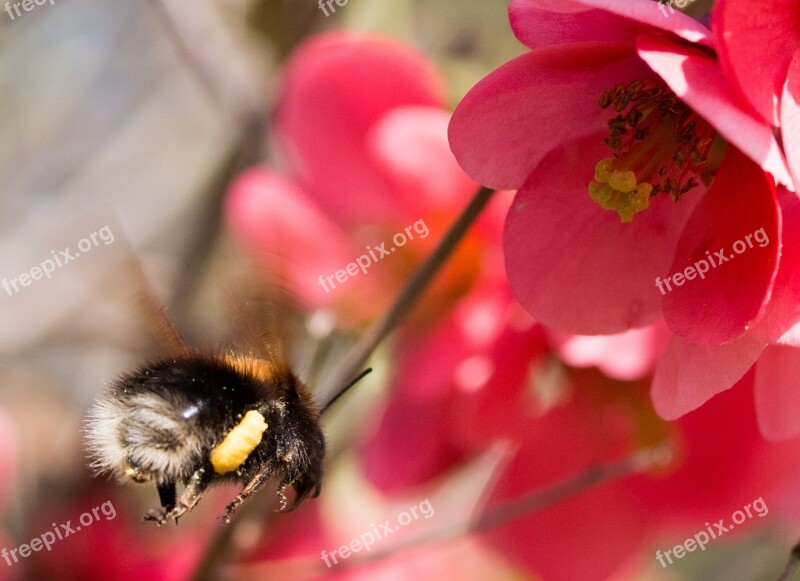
[(146, 437)]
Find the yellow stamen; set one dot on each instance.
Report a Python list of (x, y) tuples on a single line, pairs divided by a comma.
[(660, 146), (618, 191)]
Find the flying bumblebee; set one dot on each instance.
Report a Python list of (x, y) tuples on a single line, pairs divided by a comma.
[(200, 419)]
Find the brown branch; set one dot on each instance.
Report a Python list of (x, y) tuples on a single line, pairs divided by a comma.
[(406, 300), (638, 462), (529, 503)]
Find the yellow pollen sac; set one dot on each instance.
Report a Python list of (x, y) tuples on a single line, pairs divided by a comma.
[(239, 443), (617, 190)]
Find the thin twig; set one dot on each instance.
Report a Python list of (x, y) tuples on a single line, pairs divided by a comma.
[(354, 361), (792, 564), (529, 503), (638, 462)]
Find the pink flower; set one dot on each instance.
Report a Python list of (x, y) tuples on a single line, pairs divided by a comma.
[(539, 123), (363, 136), (488, 374), (761, 50), (614, 88)]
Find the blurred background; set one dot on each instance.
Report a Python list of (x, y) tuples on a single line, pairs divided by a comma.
[(137, 118)]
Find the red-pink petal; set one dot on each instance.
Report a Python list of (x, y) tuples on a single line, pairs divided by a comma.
[(336, 87), (697, 79), (410, 442), (276, 221), (538, 23), (410, 144), (791, 337), (726, 300), (576, 267), (563, 443), (512, 118), (689, 375), (778, 392), (625, 356), (790, 118), (755, 44), (783, 310), (715, 445)]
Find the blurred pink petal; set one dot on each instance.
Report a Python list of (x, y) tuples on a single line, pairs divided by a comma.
[(9, 461), (553, 542), (727, 300), (276, 220), (791, 337), (501, 406), (301, 534), (625, 356), (689, 375), (717, 444), (576, 267), (336, 86), (410, 143), (777, 392), (783, 311), (410, 443)]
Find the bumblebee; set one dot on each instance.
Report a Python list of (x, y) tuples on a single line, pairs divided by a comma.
[(200, 419)]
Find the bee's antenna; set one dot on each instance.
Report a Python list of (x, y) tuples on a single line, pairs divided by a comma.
[(358, 378)]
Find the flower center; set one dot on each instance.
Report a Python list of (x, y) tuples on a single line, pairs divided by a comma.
[(660, 147)]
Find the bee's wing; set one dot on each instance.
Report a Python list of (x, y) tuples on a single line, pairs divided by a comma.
[(263, 319), (158, 321), (103, 297)]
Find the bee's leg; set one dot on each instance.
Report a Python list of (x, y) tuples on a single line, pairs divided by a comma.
[(255, 483), (167, 496), (307, 486), (190, 496)]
